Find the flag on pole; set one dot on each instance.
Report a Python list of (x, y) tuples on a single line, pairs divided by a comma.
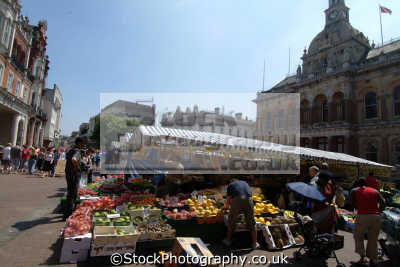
[(385, 10)]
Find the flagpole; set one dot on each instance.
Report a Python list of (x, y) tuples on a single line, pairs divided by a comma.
[(380, 18)]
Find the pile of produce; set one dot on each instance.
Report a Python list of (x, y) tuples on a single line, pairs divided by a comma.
[(122, 221), (258, 197), (262, 220), (131, 206), (79, 223), (160, 227), (179, 215), (172, 202), (105, 203), (280, 236), (206, 208), (261, 207), (123, 232), (87, 192), (102, 221)]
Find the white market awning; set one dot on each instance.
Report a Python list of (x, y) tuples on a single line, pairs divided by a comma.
[(240, 142)]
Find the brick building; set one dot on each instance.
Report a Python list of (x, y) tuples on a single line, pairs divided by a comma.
[(350, 92), (23, 71)]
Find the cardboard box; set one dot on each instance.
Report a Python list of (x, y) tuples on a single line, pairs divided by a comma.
[(108, 250), (191, 246), (272, 241), (107, 236), (75, 249)]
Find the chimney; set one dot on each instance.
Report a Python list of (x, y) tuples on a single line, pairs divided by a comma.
[(217, 111)]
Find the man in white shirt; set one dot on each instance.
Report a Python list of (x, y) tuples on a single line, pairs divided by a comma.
[(6, 157), (313, 171)]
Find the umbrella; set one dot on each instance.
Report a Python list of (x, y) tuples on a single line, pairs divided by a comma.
[(306, 190)]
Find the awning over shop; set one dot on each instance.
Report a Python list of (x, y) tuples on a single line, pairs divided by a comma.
[(245, 143)]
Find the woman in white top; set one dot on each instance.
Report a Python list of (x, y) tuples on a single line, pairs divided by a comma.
[(48, 161)]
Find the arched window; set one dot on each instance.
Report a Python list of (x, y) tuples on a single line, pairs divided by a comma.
[(320, 109), (396, 100), (338, 100), (371, 151), (371, 107), (305, 113)]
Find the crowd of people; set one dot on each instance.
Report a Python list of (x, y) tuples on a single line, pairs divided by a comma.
[(41, 161)]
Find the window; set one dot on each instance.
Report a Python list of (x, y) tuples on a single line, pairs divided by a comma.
[(25, 93), (340, 144), (324, 111), (245, 134), (238, 132), (371, 151), (1, 74), (371, 108), (6, 33), (340, 110), (396, 153), (10, 80), (396, 101), (305, 142), (281, 119), (230, 131), (322, 143), (268, 121), (18, 89)]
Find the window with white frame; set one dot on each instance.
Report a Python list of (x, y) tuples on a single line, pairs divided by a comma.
[(7, 31), (10, 80), (18, 89)]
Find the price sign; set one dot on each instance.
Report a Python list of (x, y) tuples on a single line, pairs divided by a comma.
[(112, 216)]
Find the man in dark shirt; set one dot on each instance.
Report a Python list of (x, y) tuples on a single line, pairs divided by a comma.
[(72, 175), (239, 201)]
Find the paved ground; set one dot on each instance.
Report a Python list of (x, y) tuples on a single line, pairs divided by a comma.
[(30, 227)]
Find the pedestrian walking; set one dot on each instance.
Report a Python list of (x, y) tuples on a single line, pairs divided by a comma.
[(25, 155), (40, 161), (15, 157), (32, 161), (72, 175), (369, 204), (55, 161), (7, 158), (48, 161)]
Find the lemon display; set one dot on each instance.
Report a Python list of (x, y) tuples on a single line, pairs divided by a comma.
[(207, 208), (260, 208), (262, 220), (258, 197)]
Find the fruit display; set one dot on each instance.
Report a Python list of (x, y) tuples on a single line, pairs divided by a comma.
[(179, 215), (296, 233), (173, 202), (280, 236), (261, 207), (137, 220), (123, 232), (288, 214), (131, 206), (79, 223), (101, 221), (103, 213), (146, 201), (156, 231), (87, 192), (262, 220), (258, 197), (206, 208), (122, 221)]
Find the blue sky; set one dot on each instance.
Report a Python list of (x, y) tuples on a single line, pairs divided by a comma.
[(181, 45)]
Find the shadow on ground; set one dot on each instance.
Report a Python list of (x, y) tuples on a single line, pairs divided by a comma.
[(25, 225), (60, 193)]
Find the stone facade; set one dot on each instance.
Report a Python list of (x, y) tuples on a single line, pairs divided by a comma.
[(143, 113), (350, 92), (52, 104), (23, 71), (207, 121)]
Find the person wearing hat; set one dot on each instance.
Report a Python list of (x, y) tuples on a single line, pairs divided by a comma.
[(313, 172), (369, 204)]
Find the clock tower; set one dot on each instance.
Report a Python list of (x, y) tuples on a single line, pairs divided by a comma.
[(337, 11)]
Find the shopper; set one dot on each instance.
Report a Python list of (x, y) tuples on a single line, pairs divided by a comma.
[(369, 204), (313, 171), (55, 161), (340, 199), (72, 175), (48, 161), (15, 157), (323, 213), (26, 154), (371, 181), (7, 158), (97, 160), (239, 201), (32, 161), (40, 162)]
